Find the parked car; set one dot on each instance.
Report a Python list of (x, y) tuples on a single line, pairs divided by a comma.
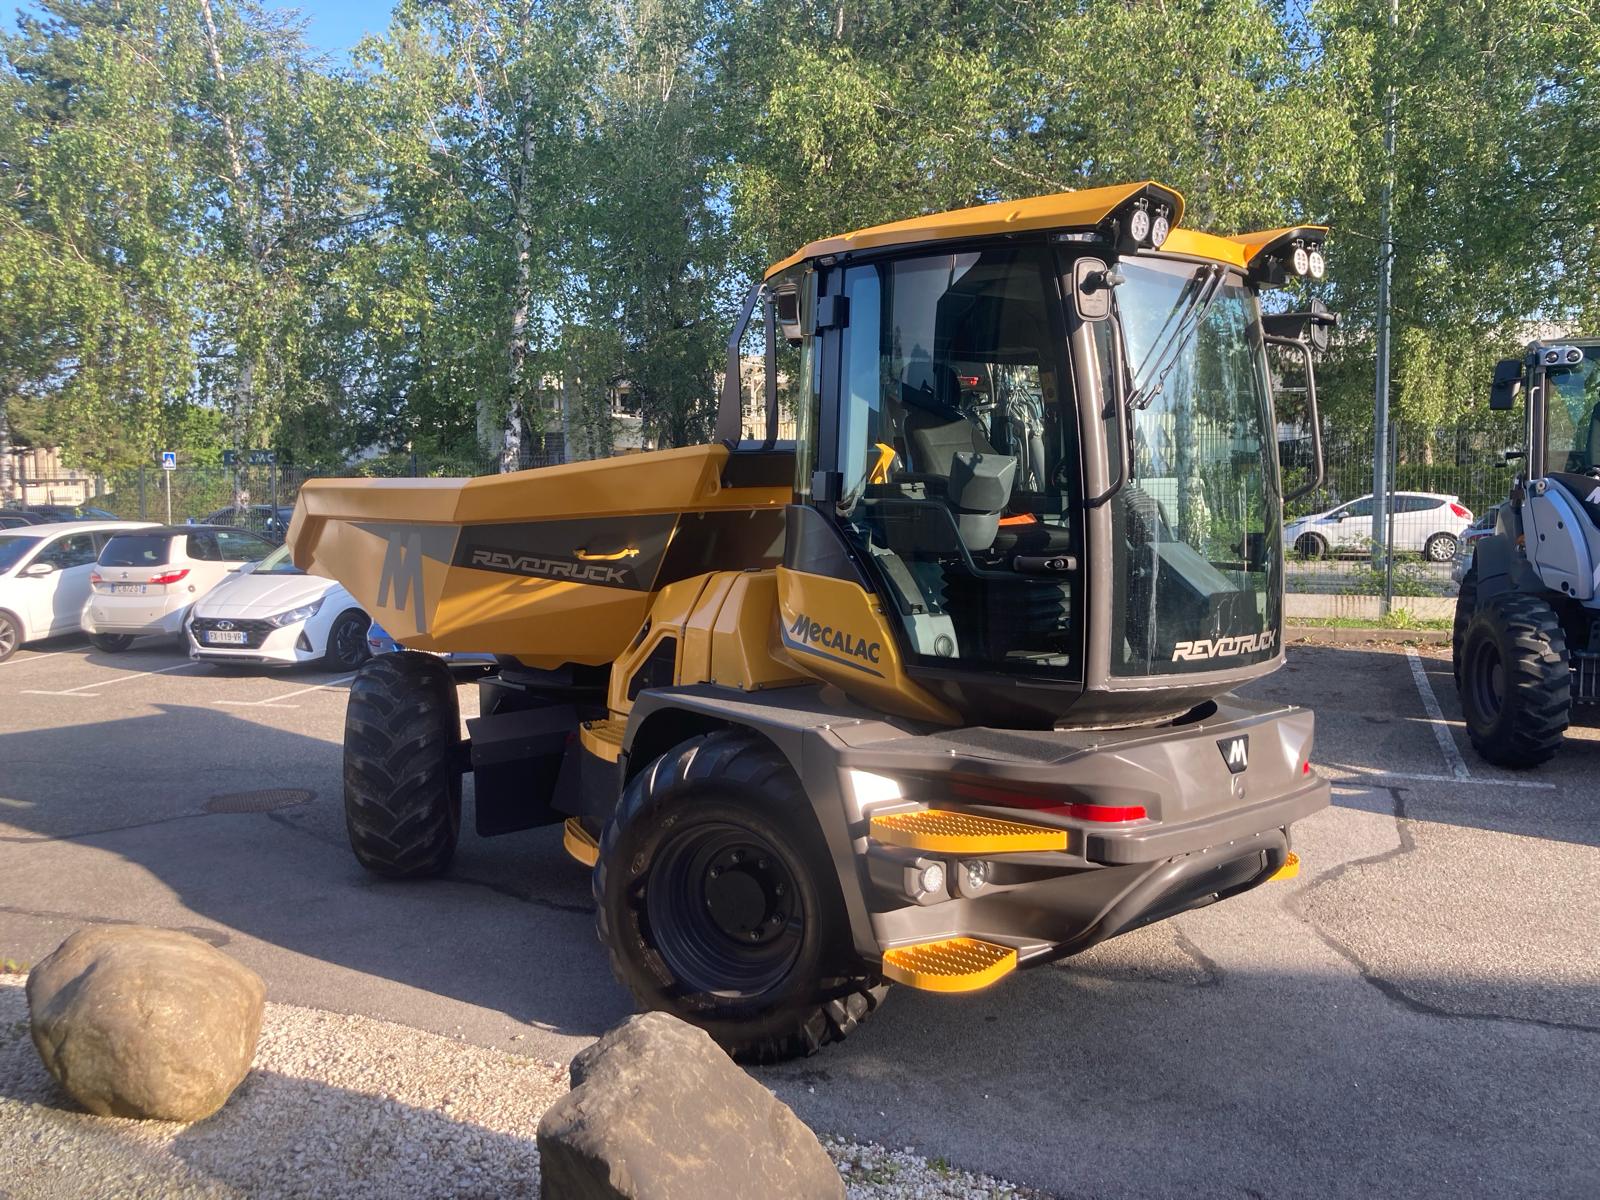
[(45, 573), (1470, 537), (379, 642), (273, 612), (147, 581), (11, 518), (1425, 523), (262, 518), (66, 512)]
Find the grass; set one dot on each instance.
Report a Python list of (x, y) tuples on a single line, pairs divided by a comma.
[(10, 966), (1398, 619)]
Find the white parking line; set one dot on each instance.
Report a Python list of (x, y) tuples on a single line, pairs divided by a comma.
[(1441, 731), (82, 689), (11, 662), (1378, 776), (273, 701)]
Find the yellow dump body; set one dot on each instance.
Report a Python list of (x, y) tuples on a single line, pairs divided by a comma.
[(554, 565)]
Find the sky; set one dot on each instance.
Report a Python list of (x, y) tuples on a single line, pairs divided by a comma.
[(335, 27)]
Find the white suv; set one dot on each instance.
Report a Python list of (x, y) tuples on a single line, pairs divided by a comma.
[(147, 581), (44, 577)]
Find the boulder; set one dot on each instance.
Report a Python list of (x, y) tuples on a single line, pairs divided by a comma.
[(658, 1111), (146, 1023)]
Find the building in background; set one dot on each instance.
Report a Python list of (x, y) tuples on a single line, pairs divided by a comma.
[(36, 475)]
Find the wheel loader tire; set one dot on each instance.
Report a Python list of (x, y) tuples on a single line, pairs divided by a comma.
[(1466, 605), (402, 784), (1516, 681), (718, 902)]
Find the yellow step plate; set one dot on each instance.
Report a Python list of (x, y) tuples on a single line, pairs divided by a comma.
[(945, 832), (1289, 870), (951, 965), (603, 739), (576, 841)]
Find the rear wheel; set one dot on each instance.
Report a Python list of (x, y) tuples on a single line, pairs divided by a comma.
[(111, 643), (402, 780), (1466, 605), (1311, 546), (347, 645), (1440, 548), (1515, 681), (10, 636), (718, 902)]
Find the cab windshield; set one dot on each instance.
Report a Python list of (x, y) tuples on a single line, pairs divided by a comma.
[(1572, 415), (1196, 526)]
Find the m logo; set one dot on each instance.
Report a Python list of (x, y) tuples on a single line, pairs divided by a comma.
[(402, 574), (1235, 752)]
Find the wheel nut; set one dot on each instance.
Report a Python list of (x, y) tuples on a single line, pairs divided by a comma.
[(715, 871), (777, 889), (761, 864)]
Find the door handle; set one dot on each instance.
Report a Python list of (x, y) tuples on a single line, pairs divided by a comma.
[(587, 556)]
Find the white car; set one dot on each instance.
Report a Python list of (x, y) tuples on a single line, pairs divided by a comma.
[(1426, 523), (44, 577), (147, 580), (274, 612)]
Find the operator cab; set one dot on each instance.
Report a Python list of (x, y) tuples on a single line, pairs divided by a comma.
[(1050, 452)]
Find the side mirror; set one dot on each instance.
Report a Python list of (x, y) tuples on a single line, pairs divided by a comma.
[(1507, 383), (1313, 325), (1092, 281), (786, 307), (36, 570)]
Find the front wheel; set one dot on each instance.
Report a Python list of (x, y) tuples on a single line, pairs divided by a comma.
[(1515, 681), (402, 777), (347, 645), (1311, 547), (1440, 548), (719, 902), (10, 636), (111, 643)]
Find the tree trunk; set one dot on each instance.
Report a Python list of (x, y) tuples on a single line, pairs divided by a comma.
[(521, 296)]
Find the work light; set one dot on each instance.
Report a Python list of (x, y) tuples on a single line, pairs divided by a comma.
[(1159, 228), (1318, 264), (1139, 224), (1302, 261)]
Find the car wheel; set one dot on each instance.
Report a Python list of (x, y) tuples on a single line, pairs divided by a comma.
[(718, 902), (10, 636), (111, 643), (1311, 546), (347, 642), (1440, 548), (1516, 681), (402, 774)]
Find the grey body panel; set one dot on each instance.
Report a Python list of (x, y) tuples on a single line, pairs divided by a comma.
[(1202, 816)]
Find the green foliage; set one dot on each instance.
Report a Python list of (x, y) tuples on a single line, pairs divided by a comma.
[(210, 236)]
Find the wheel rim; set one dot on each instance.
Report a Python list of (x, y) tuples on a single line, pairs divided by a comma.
[(1487, 681), (1441, 550), (723, 911), (8, 637), (349, 642)]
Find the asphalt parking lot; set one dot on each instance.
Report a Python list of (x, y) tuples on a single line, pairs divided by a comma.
[(1417, 1014)]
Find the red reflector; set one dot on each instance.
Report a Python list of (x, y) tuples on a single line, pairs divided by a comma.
[(1464, 513), (1106, 812), (170, 576), (1305, 768), (967, 381)]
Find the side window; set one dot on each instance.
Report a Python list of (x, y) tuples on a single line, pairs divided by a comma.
[(202, 547), (1361, 508), (75, 550), (238, 546)]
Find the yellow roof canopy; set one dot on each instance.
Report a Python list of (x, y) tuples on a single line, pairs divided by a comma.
[(1061, 210)]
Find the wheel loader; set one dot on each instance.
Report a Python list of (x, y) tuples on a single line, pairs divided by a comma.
[(1526, 641), (937, 690)]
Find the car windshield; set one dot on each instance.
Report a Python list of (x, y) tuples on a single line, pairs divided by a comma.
[(277, 563), (1572, 415), (1198, 537), (14, 548)]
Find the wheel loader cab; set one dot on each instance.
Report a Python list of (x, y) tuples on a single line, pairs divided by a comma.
[(937, 693)]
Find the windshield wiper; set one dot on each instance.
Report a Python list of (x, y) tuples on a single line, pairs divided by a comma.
[(1184, 323)]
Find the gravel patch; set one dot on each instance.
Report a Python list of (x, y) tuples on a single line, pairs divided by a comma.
[(344, 1107)]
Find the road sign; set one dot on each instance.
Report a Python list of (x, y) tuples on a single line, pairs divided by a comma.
[(263, 458), (169, 460), (230, 458)]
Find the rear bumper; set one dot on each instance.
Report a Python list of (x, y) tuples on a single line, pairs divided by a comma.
[(101, 616)]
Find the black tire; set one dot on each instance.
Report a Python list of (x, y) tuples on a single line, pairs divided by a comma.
[(1516, 681), (10, 635), (1466, 605), (727, 806), (111, 643), (402, 782), (1311, 546), (347, 645), (1440, 548)]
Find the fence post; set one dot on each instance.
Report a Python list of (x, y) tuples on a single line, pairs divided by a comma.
[(1392, 453), (142, 515)]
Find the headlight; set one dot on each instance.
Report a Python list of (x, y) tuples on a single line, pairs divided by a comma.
[(1159, 228), (1302, 261), (1317, 263), (1139, 224), (295, 615)]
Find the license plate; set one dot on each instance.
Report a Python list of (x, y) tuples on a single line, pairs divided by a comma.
[(127, 589), (227, 637)]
